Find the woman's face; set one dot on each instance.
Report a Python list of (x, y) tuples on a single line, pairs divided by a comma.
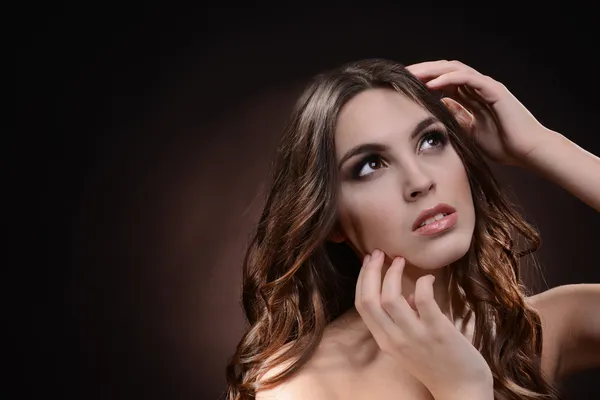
[(406, 165)]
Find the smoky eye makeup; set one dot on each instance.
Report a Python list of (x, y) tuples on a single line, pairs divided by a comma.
[(436, 138), (369, 159), (431, 140)]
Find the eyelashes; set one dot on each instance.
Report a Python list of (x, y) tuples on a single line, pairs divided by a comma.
[(433, 140), (435, 135), (368, 160)]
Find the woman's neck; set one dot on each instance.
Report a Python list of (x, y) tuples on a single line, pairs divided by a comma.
[(351, 321), (440, 286)]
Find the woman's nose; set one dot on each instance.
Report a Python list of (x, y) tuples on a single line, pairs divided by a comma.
[(417, 184)]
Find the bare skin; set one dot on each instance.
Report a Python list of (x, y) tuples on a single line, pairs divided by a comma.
[(416, 171), (377, 212), (350, 365)]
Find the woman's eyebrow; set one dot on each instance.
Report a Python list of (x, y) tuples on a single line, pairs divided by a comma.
[(371, 147)]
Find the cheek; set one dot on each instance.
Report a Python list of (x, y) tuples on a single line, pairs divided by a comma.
[(461, 193), (371, 213), (461, 182), (455, 175)]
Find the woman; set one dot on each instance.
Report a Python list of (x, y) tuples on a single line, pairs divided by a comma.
[(385, 263)]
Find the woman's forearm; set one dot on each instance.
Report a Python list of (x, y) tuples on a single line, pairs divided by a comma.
[(569, 166)]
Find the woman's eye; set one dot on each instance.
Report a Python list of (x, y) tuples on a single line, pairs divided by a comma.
[(373, 162), (368, 165), (432, 139)]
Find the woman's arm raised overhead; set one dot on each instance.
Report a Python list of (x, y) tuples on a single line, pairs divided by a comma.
[(569, 166), (508, 133)]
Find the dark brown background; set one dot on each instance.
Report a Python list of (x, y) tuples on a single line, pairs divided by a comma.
[(148, 134)]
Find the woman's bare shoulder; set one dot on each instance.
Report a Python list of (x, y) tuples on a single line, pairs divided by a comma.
[(317, 379), (303, 385)]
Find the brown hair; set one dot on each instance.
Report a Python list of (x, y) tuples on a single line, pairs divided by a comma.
[(295, 281)]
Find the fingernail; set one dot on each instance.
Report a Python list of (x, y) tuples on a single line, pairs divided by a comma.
[(376, 253)]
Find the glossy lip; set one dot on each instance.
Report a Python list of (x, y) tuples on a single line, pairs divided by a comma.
[(434, 228), (430, 212)]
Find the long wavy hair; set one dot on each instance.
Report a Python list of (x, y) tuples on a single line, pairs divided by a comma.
[(295, 281)]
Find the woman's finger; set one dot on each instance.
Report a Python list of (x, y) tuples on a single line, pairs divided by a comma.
[(429, 311), (484, 116), (411, 301), (357, 293), (432, 69), (483, 85), (460, 110), (391, 296), (369, 302), (479, 104)]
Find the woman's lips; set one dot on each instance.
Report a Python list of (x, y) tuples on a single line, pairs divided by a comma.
[(439, 226), (431, 212)]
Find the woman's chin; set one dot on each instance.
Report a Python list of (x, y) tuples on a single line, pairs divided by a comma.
[(438, 258)]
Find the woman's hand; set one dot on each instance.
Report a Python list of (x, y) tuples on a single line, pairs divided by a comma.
[(422, 341), (504, 129)]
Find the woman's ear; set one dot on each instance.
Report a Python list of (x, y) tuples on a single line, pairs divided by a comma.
[(462, 115)]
